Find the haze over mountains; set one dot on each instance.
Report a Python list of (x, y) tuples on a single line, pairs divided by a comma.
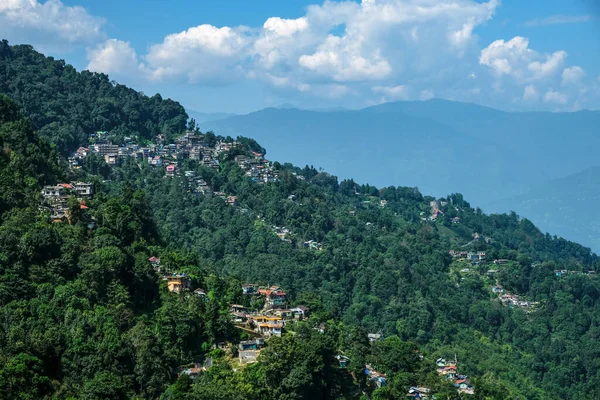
[(442, 147)]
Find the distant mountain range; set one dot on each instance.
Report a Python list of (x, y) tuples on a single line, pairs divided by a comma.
[(202, 117), (439, 146), (568, 206)]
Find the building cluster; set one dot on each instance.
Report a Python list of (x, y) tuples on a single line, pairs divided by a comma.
[(514, 300), (56, 198), (271, 320), (474, 257), (160, 154), (257, 168), (559, 273), (449, 369)]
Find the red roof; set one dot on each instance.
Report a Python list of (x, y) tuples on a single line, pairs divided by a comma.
[(83, 207), (65, 185)]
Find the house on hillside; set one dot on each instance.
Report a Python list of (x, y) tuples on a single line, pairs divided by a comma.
[(55, 191), (300, 312), (170, 170), (476, 257), (155, 262), (374, 337), (201, 293), (232, 200), (177, 283), (374, 377), (249, 289), (111, 159), (343, 361), (249, 350), (270, 329), (192, 372), (418, 392), (83, 189)]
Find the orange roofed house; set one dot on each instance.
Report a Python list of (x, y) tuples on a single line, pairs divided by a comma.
[(177, 283)]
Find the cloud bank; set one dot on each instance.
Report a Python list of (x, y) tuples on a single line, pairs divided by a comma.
[(339, 51)]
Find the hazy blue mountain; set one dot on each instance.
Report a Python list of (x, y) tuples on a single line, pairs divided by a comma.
[(202, 117), (437, 145), (566, 206)]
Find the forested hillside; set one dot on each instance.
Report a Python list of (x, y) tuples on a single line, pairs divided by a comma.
[(87, 310), (566, 205), (440, 146), (66, 106)]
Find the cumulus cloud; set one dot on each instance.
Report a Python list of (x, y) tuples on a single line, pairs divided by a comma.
[(343, 61), (515, 58), (113, 57), (530, 94), (398, 92), (203, 53), (572, 75), (340, 49), (374, 40), (552, 64), (555, 97), (49, 24)]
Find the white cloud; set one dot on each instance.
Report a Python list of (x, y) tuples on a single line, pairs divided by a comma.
[(502, 56), (572, 75), (49, 24), (530, 94), (347, 51), (204, 54), (113, 57), (550, 66), (344, 61), (514, 58), (392, 92), (285, 27), (555, 97), (375, 40)]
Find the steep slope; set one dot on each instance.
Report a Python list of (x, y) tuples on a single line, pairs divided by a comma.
[(26, 162), (566, 206), (66, 106), (85, 313)]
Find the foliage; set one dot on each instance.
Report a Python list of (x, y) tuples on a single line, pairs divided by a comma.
[(66, 106), (84, 315)]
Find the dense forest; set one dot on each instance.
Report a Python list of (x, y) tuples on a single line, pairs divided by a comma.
[(83, 314), (66, 106)]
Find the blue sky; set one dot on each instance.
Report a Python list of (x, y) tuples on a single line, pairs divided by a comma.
[(240, 55)]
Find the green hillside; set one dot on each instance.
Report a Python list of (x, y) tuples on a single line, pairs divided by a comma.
[(66, 106), (87, 311)]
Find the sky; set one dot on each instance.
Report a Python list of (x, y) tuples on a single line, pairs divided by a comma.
[(240, 56)]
